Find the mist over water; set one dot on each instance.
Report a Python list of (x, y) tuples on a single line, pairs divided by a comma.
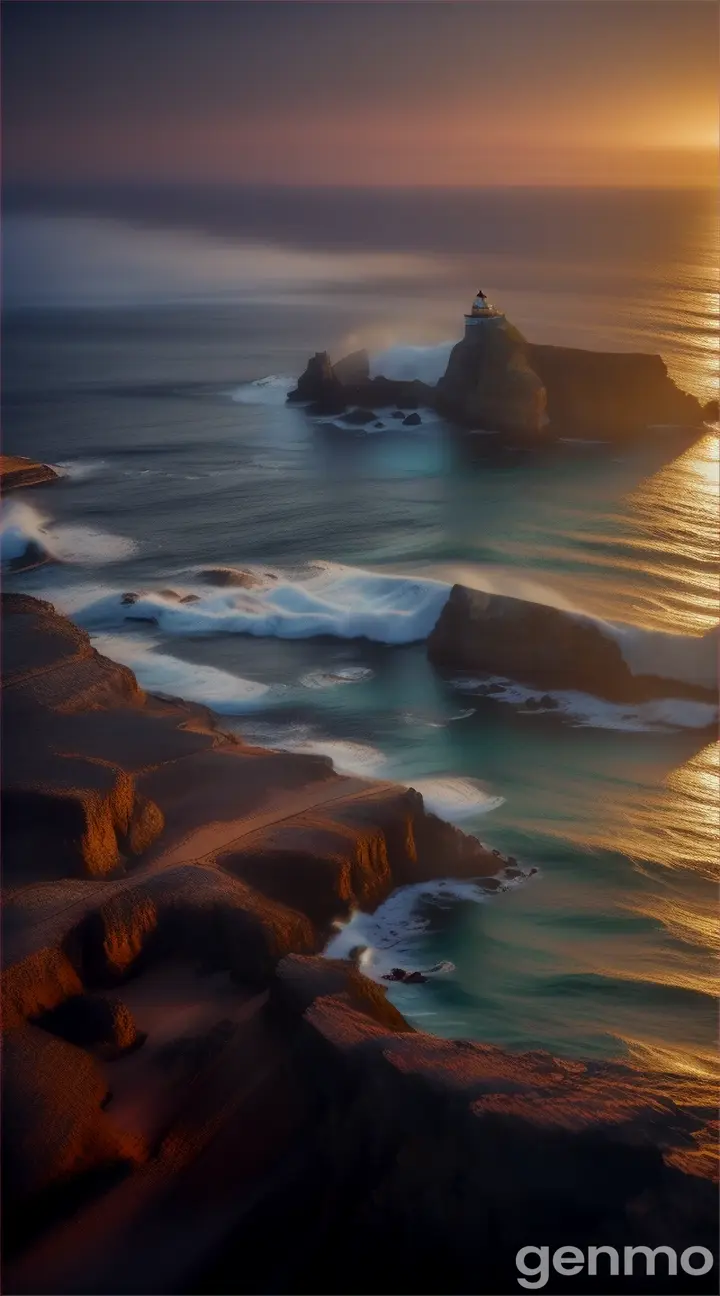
[(149, 349)]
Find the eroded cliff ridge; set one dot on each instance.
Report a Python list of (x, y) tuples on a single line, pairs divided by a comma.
[(195, 1101)]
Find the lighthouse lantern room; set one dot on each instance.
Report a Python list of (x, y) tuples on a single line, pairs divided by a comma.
[(481, 312)]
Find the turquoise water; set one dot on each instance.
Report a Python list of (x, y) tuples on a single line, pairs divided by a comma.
[(180, 455)]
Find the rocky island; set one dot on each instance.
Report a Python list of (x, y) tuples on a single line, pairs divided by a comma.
[(195, 1100), (497, 381)]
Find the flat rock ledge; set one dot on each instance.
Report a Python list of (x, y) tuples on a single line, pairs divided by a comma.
[(16, 471), (196, 1101)]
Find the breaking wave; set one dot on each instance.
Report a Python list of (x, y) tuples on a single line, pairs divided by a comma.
[(23, 527), (272, 390), (343, 602), (79, 469), (405, 363), (395, 934), (162, 673), (456, 799)]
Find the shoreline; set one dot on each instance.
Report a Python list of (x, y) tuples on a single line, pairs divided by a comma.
[(170, 859)]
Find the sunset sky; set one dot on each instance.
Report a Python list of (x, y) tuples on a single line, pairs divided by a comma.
[(500, 92)]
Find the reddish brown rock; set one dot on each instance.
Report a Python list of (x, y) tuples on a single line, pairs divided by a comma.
[(17, 471)]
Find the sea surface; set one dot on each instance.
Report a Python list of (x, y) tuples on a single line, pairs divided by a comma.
[(148, 349)]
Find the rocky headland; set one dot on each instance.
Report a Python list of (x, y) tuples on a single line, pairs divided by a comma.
[(497, 381), (17, 471), (20, 551), (194, 1100)]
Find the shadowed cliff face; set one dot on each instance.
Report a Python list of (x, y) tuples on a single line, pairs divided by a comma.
[(602, 391), (546, 647), (489, 383)]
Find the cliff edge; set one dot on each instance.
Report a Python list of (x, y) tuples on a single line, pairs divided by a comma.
[(194, 1101)]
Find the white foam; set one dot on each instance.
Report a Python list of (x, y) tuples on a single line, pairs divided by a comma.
[(585, 711), (343, 602), (393, 934), (23, 525), (456, 799), (272, 390), (343, 675), (355, 758), (79, 469), (690, 658), (161, 673), (405, 363)]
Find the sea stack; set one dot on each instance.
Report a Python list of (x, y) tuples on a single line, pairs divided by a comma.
[(488, 383)]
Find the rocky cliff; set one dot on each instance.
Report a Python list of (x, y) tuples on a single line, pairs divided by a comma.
[(547, 647), (496, 381), (609, 393), (194, 1101), (489, 382)]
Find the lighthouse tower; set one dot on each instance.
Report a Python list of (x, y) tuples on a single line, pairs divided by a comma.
[(481, 313)]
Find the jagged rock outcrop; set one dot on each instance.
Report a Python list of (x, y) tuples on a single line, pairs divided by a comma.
[(17, 471), (315, 1117), (542, 646), (332, 389)]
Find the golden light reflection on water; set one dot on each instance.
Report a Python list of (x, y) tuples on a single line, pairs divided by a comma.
[(672, 835), (679, 829), (675, 514), (677, 826)]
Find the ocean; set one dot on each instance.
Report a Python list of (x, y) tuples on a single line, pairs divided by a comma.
[(149, 344)]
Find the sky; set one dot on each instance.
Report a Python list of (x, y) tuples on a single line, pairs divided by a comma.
[(417, 92)]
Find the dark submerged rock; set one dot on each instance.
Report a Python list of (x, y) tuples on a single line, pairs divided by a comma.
[(234, 577), (360, 417), (412, 420), (34, 556)]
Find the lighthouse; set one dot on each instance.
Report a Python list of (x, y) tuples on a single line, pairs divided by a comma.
[(481, 313)]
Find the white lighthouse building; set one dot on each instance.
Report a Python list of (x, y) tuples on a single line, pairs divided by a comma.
[(482, 311)]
